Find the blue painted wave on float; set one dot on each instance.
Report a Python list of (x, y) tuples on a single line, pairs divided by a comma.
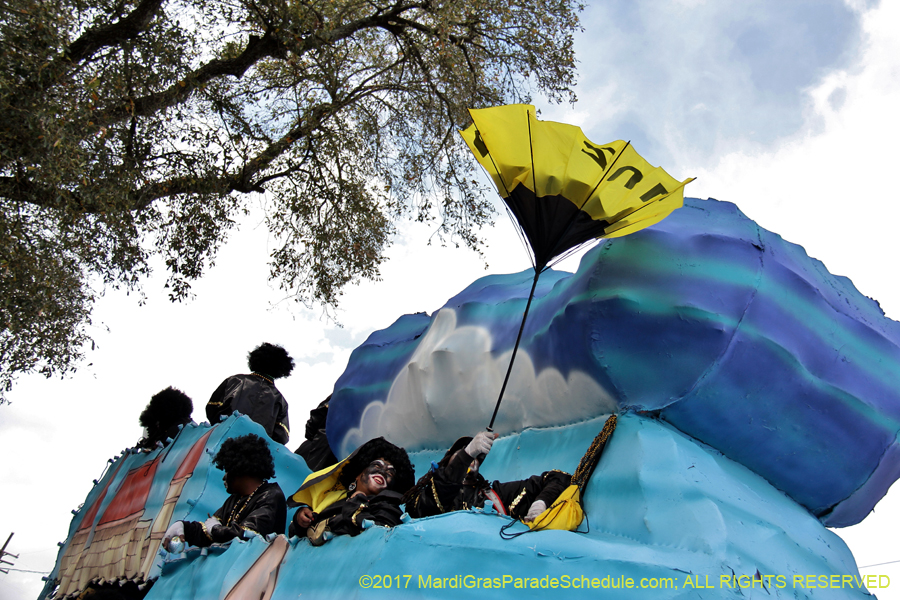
[(705, 320)]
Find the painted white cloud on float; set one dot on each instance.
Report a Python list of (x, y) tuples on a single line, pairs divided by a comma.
[(450, 385)]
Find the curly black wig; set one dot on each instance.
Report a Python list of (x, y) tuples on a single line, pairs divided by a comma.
[(269, 359), (167, 408), (246, 455), (375, 449)]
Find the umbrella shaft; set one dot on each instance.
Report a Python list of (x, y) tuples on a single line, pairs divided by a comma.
[(537, 273)]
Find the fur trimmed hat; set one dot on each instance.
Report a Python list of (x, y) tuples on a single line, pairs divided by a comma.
[(375, 449)]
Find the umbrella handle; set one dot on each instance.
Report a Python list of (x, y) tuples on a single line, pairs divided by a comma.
[(512, 358)]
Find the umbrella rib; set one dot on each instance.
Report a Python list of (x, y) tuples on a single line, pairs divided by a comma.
[(511, 216), (523, 239), (534, 262), (657, 200), (499, 174), (491, 156), (588, 197), (521, 233), (531, 150), (567, 253), (605, 173)]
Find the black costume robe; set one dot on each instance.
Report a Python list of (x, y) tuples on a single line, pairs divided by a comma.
[(255, 396), (315, 450), (345, 517), (454, 488), (263, 512)]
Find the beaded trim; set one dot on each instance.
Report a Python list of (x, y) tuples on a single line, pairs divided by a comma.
[(592, 455), (261, 376), (211, 403), (233, 518), (356, 514), (286, 430), (515, 502), (436, 499), (205, 532)]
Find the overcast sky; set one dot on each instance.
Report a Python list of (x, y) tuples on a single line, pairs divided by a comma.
[(785, 107)]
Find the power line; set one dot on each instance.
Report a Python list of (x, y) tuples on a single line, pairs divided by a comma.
[(26, 571), (4, 553), (879, 564)]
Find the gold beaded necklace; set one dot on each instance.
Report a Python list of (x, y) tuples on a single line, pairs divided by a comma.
[(261, 376), (232, 518)]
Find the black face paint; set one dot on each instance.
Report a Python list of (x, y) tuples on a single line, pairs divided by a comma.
[(383, 467), (378, 467)]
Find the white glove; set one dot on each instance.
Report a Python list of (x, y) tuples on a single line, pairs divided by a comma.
[(481, 443), (210, 523), (176, 528), (536, 508)]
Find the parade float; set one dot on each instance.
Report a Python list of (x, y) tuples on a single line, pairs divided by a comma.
[(758, 404)]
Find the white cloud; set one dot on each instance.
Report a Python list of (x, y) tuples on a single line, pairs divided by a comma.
[(646, 67), (832, 188), (450, 385)]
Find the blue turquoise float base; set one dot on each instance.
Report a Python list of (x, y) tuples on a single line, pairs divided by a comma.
[(663, 510)]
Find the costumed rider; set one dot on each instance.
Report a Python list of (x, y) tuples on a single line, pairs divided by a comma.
[(255, 506), (315, 450), (166, 413), (364, 487), (455, 484), (255, 395)]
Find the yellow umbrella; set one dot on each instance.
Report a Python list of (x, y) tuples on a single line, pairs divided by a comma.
[(563, 190)]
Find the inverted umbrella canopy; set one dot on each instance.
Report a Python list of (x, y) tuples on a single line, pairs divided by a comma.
[(562, 189)]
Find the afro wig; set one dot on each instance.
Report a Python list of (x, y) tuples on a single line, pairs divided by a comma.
[(168, 408), (269, 359), (246, 455), (375, 449)]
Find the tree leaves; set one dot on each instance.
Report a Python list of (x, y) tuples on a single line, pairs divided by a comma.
[(143, 127)]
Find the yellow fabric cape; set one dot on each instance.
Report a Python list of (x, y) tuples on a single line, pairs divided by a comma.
[(322, 488)]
